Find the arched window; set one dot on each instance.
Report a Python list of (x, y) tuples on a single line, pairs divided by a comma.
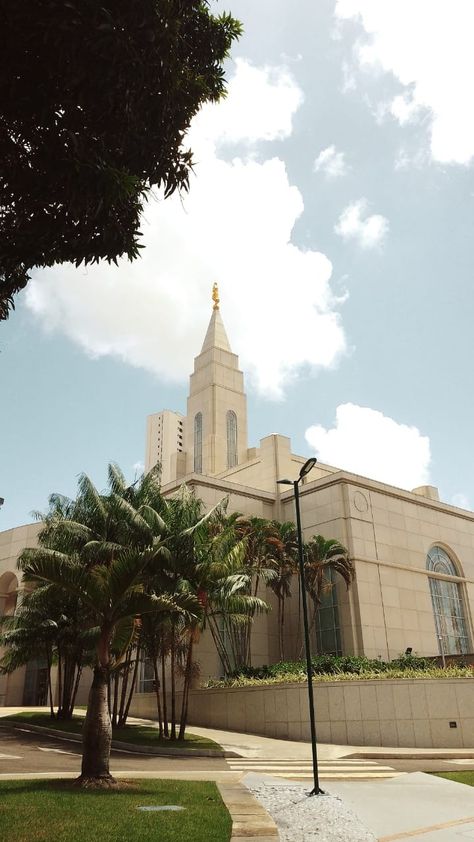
[(231, 439), (448, 606), (198, 443)]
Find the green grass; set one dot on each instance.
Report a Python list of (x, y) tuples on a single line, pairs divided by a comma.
[(459, 777), (41, 811), (144, 735)]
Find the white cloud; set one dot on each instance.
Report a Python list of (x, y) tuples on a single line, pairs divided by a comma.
[(235, 227), (367, 442), (428, 47), (461, 501), (331, 162), (354, 223)]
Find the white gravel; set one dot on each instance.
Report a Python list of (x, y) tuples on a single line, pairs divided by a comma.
[(306, 819)]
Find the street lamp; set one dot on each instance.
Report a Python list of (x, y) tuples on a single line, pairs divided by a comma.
[(307, 467)]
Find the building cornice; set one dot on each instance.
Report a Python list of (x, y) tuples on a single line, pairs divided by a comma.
[(346, 478)]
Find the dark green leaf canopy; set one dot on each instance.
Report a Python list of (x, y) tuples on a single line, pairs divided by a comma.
[(95, 100)]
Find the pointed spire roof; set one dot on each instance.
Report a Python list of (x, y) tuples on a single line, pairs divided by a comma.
[(216, 336)]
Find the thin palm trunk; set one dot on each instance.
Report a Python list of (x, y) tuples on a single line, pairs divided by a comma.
[(123, 719), (76, 688), (60, 684), (116, 680), (165, 701), (125, 677), (219, 644), (50, 686), (173, 683), (281, 625), (187, 683), (158, 694)]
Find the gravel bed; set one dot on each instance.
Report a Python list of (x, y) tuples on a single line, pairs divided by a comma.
[(302, 819)]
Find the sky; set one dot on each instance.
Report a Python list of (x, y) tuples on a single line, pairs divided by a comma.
[(332, 200)]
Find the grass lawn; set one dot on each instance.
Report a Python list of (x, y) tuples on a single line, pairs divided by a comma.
[(459, 777), (137, 734), (41, 811)]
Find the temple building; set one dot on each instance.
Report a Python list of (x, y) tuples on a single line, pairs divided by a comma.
[(413, 554)]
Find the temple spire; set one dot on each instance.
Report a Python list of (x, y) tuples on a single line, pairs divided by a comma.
[(216, 336)]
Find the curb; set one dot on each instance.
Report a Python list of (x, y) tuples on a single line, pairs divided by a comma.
[(118, 744), (415, 755), (249, 819)]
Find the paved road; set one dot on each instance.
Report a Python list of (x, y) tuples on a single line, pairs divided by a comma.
[(23, 752)]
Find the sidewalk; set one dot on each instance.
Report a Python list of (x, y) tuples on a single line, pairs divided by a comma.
[(414, 806)]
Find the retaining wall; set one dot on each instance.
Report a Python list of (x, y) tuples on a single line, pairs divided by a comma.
[(409, 712)]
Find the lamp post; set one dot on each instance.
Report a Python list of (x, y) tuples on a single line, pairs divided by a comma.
[(307, 467)]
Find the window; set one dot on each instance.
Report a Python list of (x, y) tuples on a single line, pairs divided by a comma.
[(448, 608), (231, 439), (198, 443)]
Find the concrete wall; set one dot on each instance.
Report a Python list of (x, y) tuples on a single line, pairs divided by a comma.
[(391, 713)]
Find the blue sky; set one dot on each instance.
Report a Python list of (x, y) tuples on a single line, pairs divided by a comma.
[(333, 202)]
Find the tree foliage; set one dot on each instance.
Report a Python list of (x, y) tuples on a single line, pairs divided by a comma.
[(95, 101)]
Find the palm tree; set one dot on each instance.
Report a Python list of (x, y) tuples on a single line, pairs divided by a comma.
[(284, 563), (114, 595), (50, 626), (224, 587), (325, 557), (99, 548), (260, 538)]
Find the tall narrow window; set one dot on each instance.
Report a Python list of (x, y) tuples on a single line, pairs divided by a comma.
[(448, 608), (231, 439), (198, 443)]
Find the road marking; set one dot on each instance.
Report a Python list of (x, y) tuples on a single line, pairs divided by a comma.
[(409, 834), (10, 757), (58, 751), (342, 769), (469, 760)]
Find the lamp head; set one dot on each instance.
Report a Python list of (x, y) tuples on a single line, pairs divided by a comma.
[(308, 466), (284, 482)]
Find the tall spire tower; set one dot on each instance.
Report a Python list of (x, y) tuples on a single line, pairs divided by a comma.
[(216, 423)]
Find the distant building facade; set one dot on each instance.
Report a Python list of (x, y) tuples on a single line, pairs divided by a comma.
[(413, 554)]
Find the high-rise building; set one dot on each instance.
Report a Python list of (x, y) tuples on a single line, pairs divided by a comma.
[(164, 443)]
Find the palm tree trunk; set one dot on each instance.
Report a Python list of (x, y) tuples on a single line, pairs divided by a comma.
[(50, 687), (158, 695), (97, 735), (76, 687), (60, 684), (116, 679), (219, 644), (281, 621), (123, 719), (173, 684), (125, 677), (187, 683), (165, 702)]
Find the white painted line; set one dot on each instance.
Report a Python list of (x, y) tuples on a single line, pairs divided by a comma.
[(469, 760), (10, 757), (58, 751), (338, 767)]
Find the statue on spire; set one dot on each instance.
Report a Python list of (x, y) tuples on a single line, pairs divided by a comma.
[(215, 296)]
